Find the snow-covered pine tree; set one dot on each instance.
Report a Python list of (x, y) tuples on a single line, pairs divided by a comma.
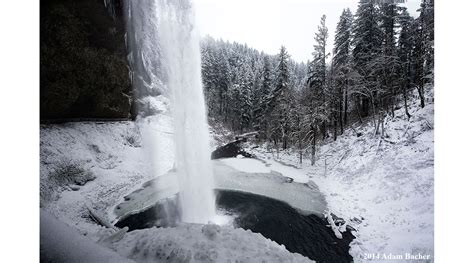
[(341, 63), (246, 105), (388, 60), (404, 50), (427, 11), (263, 98), (316, 108), (367, 47), (279, 103), (423, 55), (317, 76), (209, 77), (241, 85), (223, 80)]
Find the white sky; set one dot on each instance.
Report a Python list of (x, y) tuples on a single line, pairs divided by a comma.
[(267, 24)]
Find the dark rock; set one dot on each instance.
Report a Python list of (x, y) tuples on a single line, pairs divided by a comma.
[(230, 150), (83, 178), (74, 187), (350, 228), (356, 220), (83, 64)]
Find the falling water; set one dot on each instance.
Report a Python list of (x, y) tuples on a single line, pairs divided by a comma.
[(168, 48)]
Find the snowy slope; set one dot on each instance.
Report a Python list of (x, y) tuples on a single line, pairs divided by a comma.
[(384, 187), (104, 150)]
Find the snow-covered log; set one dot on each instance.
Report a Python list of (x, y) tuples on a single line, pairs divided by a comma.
[(246, 135), (100, 219), (333, 225)]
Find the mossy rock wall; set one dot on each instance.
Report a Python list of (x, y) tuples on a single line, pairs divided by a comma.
[(83, 60)]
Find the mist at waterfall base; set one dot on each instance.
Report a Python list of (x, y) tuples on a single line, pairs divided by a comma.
[(165, 42)]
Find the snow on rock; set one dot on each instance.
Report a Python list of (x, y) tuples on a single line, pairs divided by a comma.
[(333, 226), (287, 170), (198, 243), (384, 187)]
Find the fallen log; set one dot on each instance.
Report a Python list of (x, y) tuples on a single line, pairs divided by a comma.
[(100, 219)]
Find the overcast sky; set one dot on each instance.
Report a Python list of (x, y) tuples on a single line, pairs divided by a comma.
[(267, 24)]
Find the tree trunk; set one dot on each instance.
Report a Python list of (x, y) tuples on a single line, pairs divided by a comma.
[(276, 147), (323, 130), (421, 93), (374, 113), (382, 119), (392, 106), (345, 104), (300, 146), (358, 112), (313, 147), (365, 106), (340, 109), (405, 100)]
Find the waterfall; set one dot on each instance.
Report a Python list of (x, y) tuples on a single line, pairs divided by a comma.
[(165, 42)]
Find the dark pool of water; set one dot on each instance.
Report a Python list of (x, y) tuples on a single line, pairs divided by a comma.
[(276, 220)]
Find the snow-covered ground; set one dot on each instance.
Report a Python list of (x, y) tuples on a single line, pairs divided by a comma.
[(113, 159), (118, 155), (384, 187)]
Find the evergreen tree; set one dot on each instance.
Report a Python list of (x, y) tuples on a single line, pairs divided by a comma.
[(424, 48), (342, 64), (316, 110), (367, 47), (405, 50), (379, 55), (264, 98), (246, 105), (279, 102), (317, 76), (388, 59)]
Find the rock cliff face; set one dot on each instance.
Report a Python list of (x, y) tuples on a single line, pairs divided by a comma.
[(83, 60)]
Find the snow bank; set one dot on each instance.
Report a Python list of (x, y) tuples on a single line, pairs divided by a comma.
[(202, 243), (287, 170), (246, 165), (60, 243), (185, 243)]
